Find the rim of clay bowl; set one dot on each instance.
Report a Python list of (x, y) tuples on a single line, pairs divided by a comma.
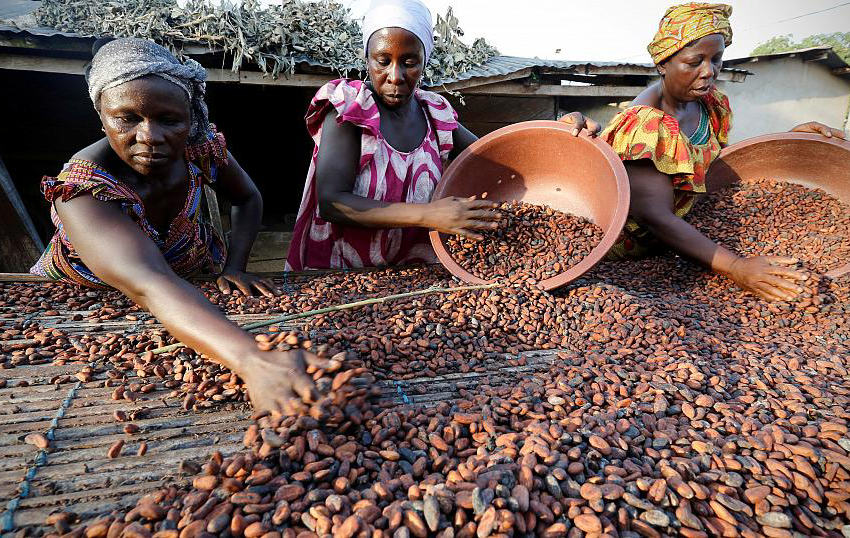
[(621, 211), (789, 135)]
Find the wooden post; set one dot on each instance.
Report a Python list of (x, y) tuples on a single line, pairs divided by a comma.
[(20, 245), (214, 212)]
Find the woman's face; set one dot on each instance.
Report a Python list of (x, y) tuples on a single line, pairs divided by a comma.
[(147, 122), (690, 73), (395, 61)]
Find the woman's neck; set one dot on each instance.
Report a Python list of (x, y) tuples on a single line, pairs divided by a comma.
[(670, 104)]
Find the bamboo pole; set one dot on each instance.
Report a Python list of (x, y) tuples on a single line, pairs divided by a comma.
[(337, 308)]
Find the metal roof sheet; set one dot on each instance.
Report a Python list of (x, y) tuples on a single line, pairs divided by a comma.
[(832, 60)]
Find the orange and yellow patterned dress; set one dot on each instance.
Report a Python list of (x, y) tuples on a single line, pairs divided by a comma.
[(644, 132)]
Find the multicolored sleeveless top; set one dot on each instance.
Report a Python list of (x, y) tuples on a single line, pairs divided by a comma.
[(384, 174), (191, 243), (643, 132)]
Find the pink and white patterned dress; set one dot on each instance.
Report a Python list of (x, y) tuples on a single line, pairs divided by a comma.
[(384, 174)]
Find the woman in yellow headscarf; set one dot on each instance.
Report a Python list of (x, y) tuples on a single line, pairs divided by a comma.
[(669, 136)]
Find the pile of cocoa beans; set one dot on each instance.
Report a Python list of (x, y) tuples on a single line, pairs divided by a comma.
[(534, 242), (673, 404), (775, 218)]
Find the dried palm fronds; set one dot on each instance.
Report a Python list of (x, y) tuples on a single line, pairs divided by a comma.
[(275, 38)]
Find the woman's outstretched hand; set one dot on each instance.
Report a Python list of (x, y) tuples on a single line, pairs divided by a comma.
[(462, 216), (769, 277), (820, 128), (246, 283), (579, 122), (278, 381)]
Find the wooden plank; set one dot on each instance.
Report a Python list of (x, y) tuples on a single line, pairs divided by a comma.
[(22, 277), (296, 80), (501, 109), (478, 81), (12, 193), (44, 64), (17, 250), (511, 88), (214, 212), (75, 66)]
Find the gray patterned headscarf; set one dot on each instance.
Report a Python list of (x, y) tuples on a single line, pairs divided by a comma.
[(126, 59)]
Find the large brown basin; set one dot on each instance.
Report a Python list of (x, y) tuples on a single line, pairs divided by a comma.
[(806, 159), (541, 162)]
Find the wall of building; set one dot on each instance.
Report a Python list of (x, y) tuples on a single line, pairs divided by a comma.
[(483, 114), (783, 93), (600, 109)]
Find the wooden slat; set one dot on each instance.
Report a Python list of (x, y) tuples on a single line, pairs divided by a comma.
[(478, 81), (22, 277), (512, 88)]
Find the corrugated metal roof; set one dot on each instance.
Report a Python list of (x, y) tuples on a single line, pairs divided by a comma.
[(506, 65), (832, 60), (16, 17), (12, 9)]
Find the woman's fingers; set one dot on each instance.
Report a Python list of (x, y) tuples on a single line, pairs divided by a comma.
[(243, 286), (223, 285), (478, 203), (265, 287), (593, 127), (780, 266), (316, 361), (820, 128), (485, 214), (788, 273), (770, 291), (576, 120), (466, 233), (786, 287), (473, 224)]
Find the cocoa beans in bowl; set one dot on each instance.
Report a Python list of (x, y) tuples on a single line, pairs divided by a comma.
[(544, 164)]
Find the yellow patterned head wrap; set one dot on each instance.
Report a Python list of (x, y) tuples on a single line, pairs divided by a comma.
[(685, 23)]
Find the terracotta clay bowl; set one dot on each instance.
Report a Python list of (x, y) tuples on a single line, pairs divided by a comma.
[(541, 162), (806, 159)]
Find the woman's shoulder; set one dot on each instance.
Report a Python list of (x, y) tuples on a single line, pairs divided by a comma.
[(87, 172), (99, 154), (212, 145), (640, 117), (438, 108), (352, 100)]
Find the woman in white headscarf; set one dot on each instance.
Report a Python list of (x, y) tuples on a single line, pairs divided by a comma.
[(381, 146)]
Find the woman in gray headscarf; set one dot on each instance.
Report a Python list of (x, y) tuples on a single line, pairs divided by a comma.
[(128, 214)]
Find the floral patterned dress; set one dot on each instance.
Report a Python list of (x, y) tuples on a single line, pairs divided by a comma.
[(384, 174), (643, 132), (191, 243)]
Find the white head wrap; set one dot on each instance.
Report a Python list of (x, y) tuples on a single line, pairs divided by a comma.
[(123, 60), (411, 15)]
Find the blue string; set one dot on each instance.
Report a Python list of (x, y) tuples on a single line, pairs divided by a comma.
[(401, 392), (7, 520), (286, 289)]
